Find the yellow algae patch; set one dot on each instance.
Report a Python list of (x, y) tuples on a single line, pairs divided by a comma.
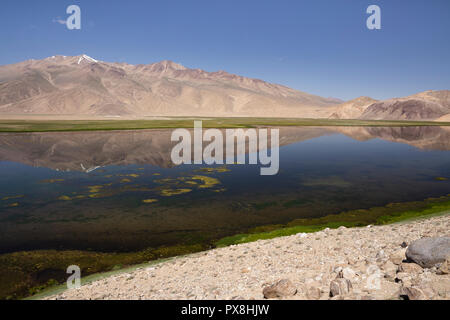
[(174, 192), (191, 182), (15, 204), (212, 170), (125, 180), (157, 174), (150, 200), (208, 182), (95, 195), (52, 180), (441, 179), (109, 176), (220, 190), (94, 189), (67, 198), (12, 197)]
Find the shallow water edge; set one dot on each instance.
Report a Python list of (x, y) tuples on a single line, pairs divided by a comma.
[(97, 265)]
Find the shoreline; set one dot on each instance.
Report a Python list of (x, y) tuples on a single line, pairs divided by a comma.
[(103, 276), (33, 125), (309, 261)]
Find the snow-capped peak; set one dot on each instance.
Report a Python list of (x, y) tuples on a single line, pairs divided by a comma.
[(85, 57)]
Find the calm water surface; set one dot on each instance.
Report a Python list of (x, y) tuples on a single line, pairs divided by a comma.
[(118, 191)]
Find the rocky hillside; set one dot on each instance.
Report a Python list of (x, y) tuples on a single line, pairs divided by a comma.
[(82, 85), (352, 109), (429, 105), (399, 261)]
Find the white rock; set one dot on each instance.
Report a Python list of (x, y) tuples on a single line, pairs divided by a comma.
[(349, 273)]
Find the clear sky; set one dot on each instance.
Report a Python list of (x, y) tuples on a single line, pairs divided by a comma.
[(321, 47)]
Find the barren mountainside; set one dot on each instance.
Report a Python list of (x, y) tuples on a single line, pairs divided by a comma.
[(429, 105), (82, 85), (352, 109)]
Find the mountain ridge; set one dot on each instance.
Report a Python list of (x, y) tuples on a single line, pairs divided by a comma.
[(66, 85), (82, 86)]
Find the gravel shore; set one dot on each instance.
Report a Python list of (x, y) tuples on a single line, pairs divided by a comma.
[(356, 263)]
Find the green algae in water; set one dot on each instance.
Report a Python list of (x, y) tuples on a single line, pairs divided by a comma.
[(150, 200), (174, 192), (391, 213)]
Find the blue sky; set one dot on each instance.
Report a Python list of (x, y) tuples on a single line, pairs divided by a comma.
[(321, 47)]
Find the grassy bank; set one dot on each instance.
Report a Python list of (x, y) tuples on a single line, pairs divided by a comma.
[(41, 273), (85, 125)]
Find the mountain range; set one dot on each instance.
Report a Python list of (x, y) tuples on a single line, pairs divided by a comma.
[(83, 87)]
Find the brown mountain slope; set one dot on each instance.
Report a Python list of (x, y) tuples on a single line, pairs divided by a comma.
[(81, 85), (352, 109), (428, 105)]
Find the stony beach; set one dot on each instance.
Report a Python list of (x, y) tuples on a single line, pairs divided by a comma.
[(373, 262)]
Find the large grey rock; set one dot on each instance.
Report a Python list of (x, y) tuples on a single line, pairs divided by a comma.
[(427, 252)]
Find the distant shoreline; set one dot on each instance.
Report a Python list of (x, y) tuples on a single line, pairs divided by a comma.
[(53, 125)]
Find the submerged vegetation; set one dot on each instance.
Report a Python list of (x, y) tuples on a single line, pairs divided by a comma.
[(150, 200), (174, 122), (181, 185), (174, 192), (391, 213), (208, 182)]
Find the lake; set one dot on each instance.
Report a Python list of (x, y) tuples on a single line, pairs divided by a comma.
[(118, 191)]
